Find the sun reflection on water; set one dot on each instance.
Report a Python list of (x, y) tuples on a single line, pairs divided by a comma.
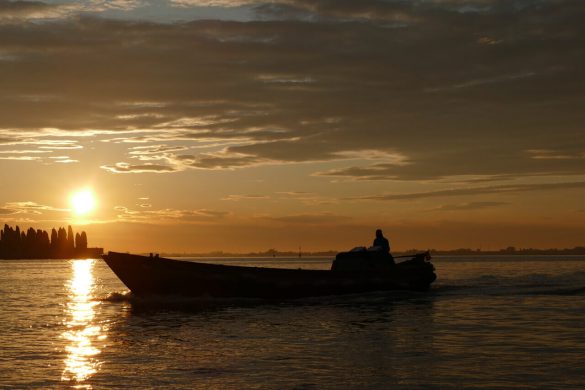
[(82, 331)]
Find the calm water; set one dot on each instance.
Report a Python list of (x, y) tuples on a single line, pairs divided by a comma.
[(488, 323)]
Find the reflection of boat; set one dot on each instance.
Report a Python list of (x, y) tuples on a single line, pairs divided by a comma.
[(145, 275)]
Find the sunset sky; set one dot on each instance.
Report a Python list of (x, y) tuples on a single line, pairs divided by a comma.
[(243, 125)]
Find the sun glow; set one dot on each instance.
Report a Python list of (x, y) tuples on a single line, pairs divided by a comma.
[(82, 202)]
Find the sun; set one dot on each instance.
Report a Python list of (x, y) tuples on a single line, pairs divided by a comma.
[(82, 202)]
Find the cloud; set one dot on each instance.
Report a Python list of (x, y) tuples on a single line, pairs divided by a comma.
[(310, 219), (478, 82), (195, 122), (38, 11), (488, 161), (20, 158), (19, 145), (371, 172), (63, 159), (13, 11), (223, 161), (470, 206), (294, 194), (306, 198), (547, 154), (155, 152), (126, 214), (103, 5), (284, 79), (31, 212), (212, 3), (23, 151), (324, 81), (500, 189), (143, 168), (30, 208), (327, 10), (240, 197)]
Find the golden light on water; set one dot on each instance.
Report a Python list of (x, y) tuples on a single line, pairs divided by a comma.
[(82, 331)]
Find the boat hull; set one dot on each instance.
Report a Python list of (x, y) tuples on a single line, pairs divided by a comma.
[(145, 275)]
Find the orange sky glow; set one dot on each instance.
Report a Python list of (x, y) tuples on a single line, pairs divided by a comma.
[(240, 126)]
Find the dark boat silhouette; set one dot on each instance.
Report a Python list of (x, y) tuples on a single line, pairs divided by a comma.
[(351, 273)]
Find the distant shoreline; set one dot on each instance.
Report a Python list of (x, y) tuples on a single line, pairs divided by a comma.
[(329, 255), (97, 252), (577, 251)]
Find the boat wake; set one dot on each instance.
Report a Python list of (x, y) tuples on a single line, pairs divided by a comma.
[(118, 297), (158, 303), (508, 290), (532, 284), (177, 302)]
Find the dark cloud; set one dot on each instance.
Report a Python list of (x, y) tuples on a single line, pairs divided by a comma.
[(225, 161), (470, 206), (23, 9), (455, 87), (500, 189), (144, 168), (399, 12), (176, 215), (155, 149), (496, 161)]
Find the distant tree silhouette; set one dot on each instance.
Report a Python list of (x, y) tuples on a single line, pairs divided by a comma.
[(54, 242), (37, 244), (70, 239), (83, 240), (45, 244), (61, 242), (29, 242), (9, 241), (17, 240), (80, 241)]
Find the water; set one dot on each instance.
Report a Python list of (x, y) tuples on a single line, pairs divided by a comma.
[(499, 323)]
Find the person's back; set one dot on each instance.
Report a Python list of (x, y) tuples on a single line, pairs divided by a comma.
[(381, 242)]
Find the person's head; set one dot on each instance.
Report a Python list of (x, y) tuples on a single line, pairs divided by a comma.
[(379, 233)]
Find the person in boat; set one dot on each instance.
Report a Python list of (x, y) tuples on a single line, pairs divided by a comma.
[(381, 242)]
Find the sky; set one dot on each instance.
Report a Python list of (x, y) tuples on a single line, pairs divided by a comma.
[(244, 125)]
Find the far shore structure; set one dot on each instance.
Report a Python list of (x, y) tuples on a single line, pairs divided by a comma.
[(37, 244)]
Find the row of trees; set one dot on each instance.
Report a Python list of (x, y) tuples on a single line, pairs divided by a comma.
[(29, 244)]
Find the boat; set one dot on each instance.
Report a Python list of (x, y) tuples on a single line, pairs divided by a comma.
[(351, 273)]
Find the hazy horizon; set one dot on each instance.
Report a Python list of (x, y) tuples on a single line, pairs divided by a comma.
[(241, 125)]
